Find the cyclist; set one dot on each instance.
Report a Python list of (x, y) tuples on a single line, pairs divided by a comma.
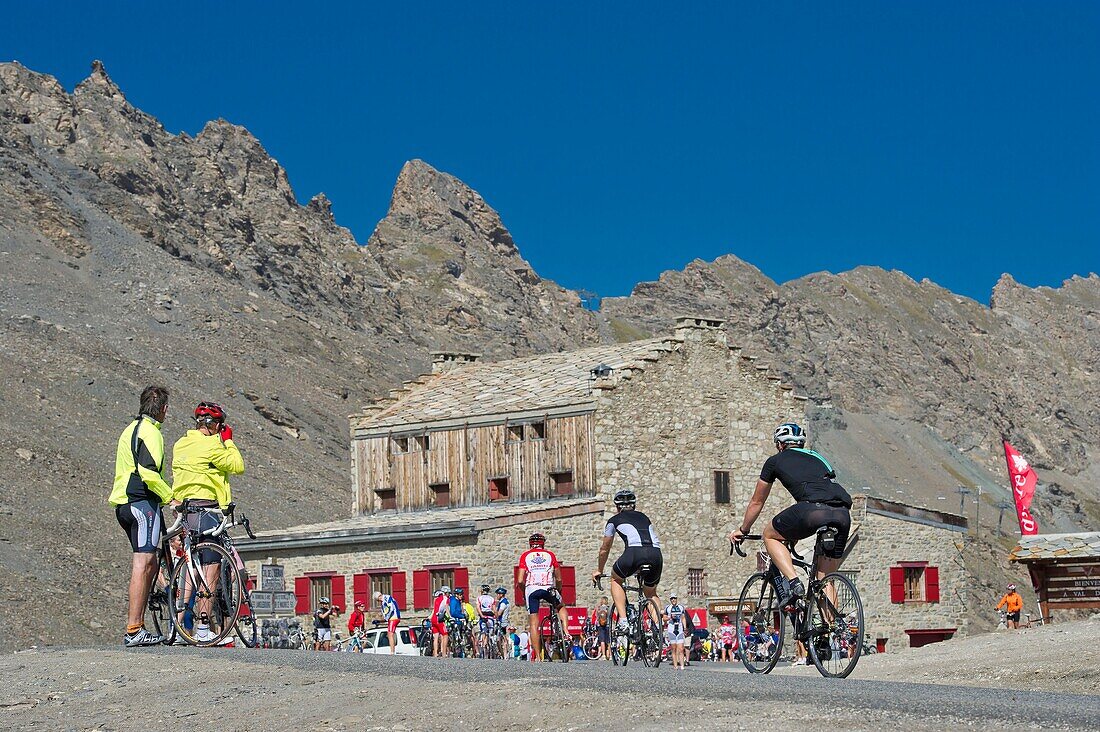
[(675, 616), (601, 618), (440, 609), (1013, 604), (486, 614), (202, 461), (322, 626), (540, 574), (727, 637), (820, 501), (357, 622), (138, 492), (391, 613), (642, 547), (503, 607)]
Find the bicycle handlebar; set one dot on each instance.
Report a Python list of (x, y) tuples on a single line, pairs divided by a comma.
[(597, 582), (737, 544)]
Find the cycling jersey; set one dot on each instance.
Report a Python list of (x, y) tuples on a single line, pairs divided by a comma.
[(675, 628), (1012, 602), (539, 565), (725, 634), (455, 609), (468, 612), (806, 475), (201, 466), (390, 610), (634, 528), (504, 606), (144, 481), (486, 606)]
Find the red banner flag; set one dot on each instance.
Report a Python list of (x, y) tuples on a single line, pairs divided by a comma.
[(1023, 480)]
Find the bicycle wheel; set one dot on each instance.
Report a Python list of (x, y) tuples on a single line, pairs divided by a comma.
[(653, 636), (212, 591), (248, 626), (756, 613), (159, 607), (592, 647), (620, 644), (835, 626)]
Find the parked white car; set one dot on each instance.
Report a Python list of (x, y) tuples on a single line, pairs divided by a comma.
[(377, 640)]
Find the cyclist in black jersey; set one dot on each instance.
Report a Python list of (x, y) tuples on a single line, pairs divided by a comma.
[(642, 548), (820, 501)]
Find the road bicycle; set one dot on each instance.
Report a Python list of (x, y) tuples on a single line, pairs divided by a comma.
[(828, 621), (590, 642), (490, 642), (461, 641), (206, 579), (644, 637), (559, 643)]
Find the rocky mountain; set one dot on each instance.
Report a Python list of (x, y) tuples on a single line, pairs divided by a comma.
[(130, 255)]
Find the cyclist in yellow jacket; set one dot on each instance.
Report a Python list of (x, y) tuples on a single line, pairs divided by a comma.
[(202, 461), (139, 491)]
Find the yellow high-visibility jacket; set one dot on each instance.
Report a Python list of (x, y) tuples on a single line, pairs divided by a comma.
[(144, 481), (201, 466)]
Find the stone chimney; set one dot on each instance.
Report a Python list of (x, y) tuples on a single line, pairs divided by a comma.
[(443, 361), (698, 328)]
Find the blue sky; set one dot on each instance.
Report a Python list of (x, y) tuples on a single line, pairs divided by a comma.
[(952, 141)]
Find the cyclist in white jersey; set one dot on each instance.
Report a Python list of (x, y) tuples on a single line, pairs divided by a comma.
[(540, 574), (486, 613), (675, 622)]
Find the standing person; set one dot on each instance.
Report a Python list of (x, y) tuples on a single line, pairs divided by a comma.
[(525, 646), (642, 548), (391, 613), (674, 630), (322, 625), (513, 640), (1013, 604), (357, 622), (440, 608), (486, 609), (503, 607), (601, 618), (726, 635), (202, 461), (820, 501), (540, 574), (137, 494)]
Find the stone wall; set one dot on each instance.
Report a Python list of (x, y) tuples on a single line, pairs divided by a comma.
[(883, 542), (664, 432), (490, 557)]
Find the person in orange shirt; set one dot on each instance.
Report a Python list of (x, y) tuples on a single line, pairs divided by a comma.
[(1013, 604)]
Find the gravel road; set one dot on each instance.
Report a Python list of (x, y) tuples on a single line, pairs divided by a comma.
[(274, 690)]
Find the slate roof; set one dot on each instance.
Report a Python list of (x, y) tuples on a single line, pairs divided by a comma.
[(1066, 547), (533, 383)]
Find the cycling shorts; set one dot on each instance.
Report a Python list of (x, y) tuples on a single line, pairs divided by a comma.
[(1014, 617), (439, 628), (486, 625), (142, 523), (634, 557), (804, 518), (675, 633), (551, 597), (392, 625), (204, 522)]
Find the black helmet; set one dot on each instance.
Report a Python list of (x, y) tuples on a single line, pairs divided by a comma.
[(625, 498), (537, 539), (502, 591), (789, 433)]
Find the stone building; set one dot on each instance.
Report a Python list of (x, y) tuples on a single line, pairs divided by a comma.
[(453, 471)]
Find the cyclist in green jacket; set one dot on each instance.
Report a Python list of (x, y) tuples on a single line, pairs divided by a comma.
[(138, 493)]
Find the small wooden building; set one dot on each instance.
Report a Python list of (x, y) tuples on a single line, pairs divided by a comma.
[(1064, 569)]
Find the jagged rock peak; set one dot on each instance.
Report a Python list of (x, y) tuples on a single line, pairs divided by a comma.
[(322, 205), (99, 81)]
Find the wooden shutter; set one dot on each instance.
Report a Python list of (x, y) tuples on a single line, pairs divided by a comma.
[(422, 589), (339, 596), (462, 579), (360, 588), (932, 584), (897, 584), (301, 596), (398, 591), (569, 585)]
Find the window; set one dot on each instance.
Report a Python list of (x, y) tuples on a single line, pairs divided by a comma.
[(399, 445), (914, 584), (515, 433), (441, 577), (387, 498), (697, 586), (562, 483), (423, 443), (319, 587), (498, 489), (379, 583), (721, 486), (441, 493), (536, 431)]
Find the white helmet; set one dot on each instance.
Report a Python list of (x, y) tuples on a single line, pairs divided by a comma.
[(790, 433)]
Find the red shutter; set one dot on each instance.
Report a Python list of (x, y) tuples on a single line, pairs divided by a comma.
[(301, 595), (462, 579), (897, 584), (339, 596), (360, 588), (398, 591), (932, 584), (246, 607), (517, 586), (569, 585), (422, 589)]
